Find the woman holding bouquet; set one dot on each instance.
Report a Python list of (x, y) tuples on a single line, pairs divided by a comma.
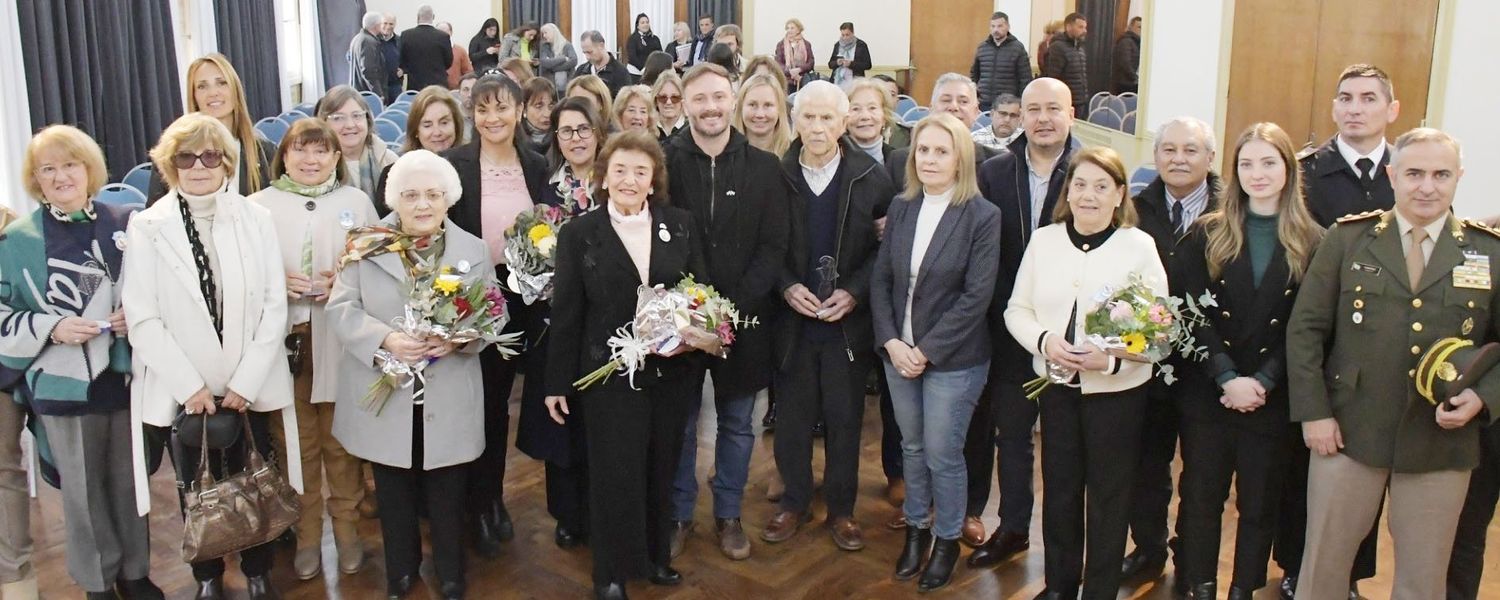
[(1250, 255), (575, 143), (636, 240), (423, 438), (1092, 416), (312, 209), (501, 178), (205, 300), (931, 285)]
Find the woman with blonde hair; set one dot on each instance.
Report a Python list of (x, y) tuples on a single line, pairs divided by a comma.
[(517, 69), (67, 355), (593, 88), (1092, 423), (1251, 255), (795, 55), (206, 306), (871, 116), (312, 208), (365, 154), (632, 109), (760, 112), (681, 46), (941, 234), (666, 97), (215, 89)]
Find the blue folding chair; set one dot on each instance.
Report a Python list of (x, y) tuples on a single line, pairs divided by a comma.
[(915, 114), (306, 108), (407, 96), (904, 104), (373, 102), (396, 114), (139, 177), (1117, 104), (1127, 124), (291, 116), (1142, 177), (1105, 117), (120, 194), (403, 104), (387, 129), (1130, 100), (1096, 101), (273, 128)]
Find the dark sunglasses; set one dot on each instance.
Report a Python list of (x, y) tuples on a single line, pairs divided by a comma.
[(210, 158), (665, 99)]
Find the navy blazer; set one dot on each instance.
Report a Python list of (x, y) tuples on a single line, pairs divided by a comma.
[(954, 284)]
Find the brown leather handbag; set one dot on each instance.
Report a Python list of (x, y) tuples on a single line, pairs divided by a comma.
[(244, 510)]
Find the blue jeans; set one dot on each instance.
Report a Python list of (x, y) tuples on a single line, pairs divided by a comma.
[(933, 411), (736, 438)]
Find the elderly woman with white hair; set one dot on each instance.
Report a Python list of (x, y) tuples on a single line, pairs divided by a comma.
[(205, 302), (420, 449)]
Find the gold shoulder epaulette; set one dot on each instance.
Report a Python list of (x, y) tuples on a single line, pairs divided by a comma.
[(1482, 226), (1361, 216)]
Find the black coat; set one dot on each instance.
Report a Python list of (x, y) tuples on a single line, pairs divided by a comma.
[(861, 62), (1245, 333), (265, 151), (614, 74), (465, 160), (1155, 218), (1067, 60), (864, 191), (640, 46), (482, 60), (1127, 63), (426, 54), (594, 295), (1005, 181), (1003, 68), (1334, 189), (738, 200)]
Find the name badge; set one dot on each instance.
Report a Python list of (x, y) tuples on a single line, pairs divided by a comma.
[(1474, 273), (1364, 268)]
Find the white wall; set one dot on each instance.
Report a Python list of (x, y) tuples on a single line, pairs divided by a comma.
[(1019, 12), (465, 15), (884, 24), (1182, 68), (1462, 101)]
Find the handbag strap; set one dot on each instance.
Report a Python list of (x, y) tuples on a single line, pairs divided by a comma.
[(253, 460), (205, 475)]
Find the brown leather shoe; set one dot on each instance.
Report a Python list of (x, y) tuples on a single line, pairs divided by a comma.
[(732, 540), (973, 532), (895, 492), (783, 525), (897, 522), (846, 534), (775, 488)]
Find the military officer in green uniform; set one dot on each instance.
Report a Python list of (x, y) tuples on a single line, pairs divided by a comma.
[(1382, 287)]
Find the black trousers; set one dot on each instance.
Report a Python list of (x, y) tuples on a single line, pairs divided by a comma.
[(1213, 454), (254, 561), (1291, 528), (890, 431), (1090, 447), (1466, 563), (400, 492), (979, 455), (1152, 490), (821, 379), (1012, 418), (487, 473), (634, 444), (568, 486)]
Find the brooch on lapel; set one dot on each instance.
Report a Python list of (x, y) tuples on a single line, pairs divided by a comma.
[(662, 233), (463, 267), (119, 238), (346, 219)]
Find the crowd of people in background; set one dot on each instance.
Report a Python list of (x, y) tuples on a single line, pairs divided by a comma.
[(941, 265)]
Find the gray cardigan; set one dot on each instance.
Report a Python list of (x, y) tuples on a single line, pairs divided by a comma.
[(557, 66), (954, 284), (367, 296)]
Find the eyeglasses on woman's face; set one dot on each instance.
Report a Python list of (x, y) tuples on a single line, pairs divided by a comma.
[(581, 132)]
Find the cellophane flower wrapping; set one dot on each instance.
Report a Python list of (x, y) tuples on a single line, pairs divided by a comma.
[(445, 306), (531, 250)]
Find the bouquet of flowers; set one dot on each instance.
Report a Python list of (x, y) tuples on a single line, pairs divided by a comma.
[(660, 315), (531, 251), (443, 306), (1137, 324)]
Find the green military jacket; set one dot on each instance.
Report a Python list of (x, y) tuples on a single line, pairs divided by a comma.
[(1358, 330)]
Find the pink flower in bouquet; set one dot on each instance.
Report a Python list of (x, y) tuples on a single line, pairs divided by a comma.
[(726, 332), (497, 308), (1160, 315), (1120, 311)]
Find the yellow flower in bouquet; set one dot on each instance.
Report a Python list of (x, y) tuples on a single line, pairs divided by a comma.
[(447, 283), (1135, 343), (539, 232)]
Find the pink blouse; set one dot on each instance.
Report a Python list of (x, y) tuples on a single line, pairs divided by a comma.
[(502, 196)]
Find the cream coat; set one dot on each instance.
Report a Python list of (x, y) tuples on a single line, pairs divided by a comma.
[(325, 227), (176, 351), (368, 296)]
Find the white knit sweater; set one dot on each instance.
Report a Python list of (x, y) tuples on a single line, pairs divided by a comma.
[(1056, 276)]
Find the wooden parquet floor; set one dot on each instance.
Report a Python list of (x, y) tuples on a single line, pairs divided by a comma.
[(808, 566)]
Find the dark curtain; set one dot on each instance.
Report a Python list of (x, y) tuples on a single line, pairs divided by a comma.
[(723, 12), (531, 11), (247, 36), (338, 23), (108, 67), (1099, 44)]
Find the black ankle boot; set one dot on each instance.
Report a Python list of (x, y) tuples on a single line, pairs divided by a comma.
[(212, 589), (613, 591), (259, 588), (1204, 591), (940, 567), (918, 544), (138, 589)]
